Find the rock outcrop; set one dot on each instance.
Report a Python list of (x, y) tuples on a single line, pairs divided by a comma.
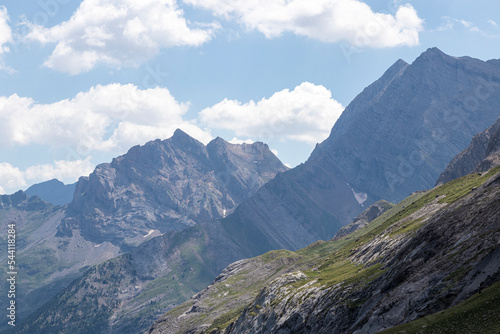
[(482, 153)]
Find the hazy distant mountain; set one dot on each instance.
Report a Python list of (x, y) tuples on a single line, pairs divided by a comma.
[(53, 191)]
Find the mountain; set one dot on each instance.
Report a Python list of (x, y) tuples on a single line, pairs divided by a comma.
[(393, 139), (166, 185), (160, 187), (399, 134), (435, 250), (53, 191), (482, 153)]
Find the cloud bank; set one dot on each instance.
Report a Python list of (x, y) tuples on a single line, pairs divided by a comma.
[(329, 21), (305, 114), (117, 33)]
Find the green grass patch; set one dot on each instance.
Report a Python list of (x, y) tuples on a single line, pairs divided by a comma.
[(409, 227), (224, 320)]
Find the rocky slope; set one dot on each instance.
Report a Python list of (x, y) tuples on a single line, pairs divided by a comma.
[(53, 191), (167, 185), (482, 153), (426, 254)]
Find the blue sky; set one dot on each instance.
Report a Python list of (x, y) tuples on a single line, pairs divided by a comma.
[(83, 81)]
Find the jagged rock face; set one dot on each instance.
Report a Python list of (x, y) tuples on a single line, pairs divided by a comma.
[(53, 191), (167, 185), (399, 134), (483, 145)]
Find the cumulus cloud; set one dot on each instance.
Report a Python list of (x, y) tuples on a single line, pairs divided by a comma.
[(325, 20), (109, 118), (10, 177), (13, 179), (241, 141), (62, 170), (304, 114), (118, 33)]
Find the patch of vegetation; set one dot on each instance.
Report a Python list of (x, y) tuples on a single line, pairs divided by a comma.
[(477, 314), (409, 227), (224, 320)]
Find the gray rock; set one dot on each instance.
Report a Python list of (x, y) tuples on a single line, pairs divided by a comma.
[(484, 146)]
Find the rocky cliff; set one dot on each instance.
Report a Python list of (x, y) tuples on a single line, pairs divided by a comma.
[(371, 213)]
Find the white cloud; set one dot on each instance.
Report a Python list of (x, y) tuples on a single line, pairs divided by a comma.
[(304, 114), (5, 30), (118, 33), (324, 20), (465, 23), (62, 170), (12, 178), (109, 118), (240, 141), (493, 23), (5, 36), (449, 25)]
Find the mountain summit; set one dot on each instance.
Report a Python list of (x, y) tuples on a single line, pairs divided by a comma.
[(167, 185), (400, 132)]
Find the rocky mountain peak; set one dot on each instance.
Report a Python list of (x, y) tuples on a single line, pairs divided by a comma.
[(405, 127), (182, 139), (167, 185)]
